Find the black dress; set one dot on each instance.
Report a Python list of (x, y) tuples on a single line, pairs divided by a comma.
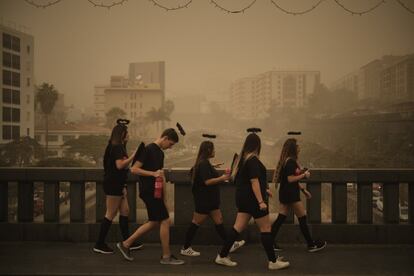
[(289, 192), (114, 179)]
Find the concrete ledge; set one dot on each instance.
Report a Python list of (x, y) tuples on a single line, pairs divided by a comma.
[(206, 235)]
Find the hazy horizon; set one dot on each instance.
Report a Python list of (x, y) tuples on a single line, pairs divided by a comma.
[(78, 46)]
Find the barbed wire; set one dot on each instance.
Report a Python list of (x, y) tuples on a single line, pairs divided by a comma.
[(232, 11), (33, 3), (296, 13), (402, 4), (360, 13), (108, 6), (179, 7)]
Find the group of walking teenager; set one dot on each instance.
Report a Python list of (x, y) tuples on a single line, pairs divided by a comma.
[(252, 196)]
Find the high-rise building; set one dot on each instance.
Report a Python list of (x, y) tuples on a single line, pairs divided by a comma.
[(16, 79)]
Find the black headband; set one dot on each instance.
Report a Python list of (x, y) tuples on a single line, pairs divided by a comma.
[(180, 129), (210, 136), (254, 130)]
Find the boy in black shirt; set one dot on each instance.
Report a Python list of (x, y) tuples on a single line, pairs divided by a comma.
[(149, 167)]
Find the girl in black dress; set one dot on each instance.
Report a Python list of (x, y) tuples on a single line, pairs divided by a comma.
[(252, 201), (116, 163), (206, 193), (289, 173)]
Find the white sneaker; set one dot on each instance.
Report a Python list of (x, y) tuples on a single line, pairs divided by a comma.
[(236, 245), (189, 252), (225, 261), (279, 264)]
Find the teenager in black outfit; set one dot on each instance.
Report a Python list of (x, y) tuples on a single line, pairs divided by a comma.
[(206, 193), (252, 201), (289, 173), (149, 166), (116, 162)]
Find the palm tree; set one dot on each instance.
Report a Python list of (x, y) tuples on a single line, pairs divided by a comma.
[(157, 116), (46, 96)]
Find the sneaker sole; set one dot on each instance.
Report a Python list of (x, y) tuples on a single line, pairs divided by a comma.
[(225, 264), (132, 248), (123, 254), (317, 249), (102, 252), (172, 263), (189, 255), (279, 268)]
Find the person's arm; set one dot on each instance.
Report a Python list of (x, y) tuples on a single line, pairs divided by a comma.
[(257, 193), (217, 180), (137, 169), (124, 163)]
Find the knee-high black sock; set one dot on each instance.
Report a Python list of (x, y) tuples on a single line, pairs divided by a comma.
[(123, 224), (232, 237), (277, 224), (190, 235), (305, 230), (221, 231), (105, 225), (267, 242)]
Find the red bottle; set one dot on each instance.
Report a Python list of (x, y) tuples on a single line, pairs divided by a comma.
[(159, 183)]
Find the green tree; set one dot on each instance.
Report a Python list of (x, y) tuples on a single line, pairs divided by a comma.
[(20, 152), (62, 162), (158, 115), (46, 96), (90, 146), (112, 115)]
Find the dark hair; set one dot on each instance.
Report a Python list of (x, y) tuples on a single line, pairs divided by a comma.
[(289, 150), (204, 153), (171, 134), (251, 145), (119, 132)]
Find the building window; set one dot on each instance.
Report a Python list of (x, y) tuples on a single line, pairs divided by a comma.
[(28, 116), (7, 114), (16, 97), (15, 79), (7, 95), (38, 138), (7, 77), (28, 81), (16, 115), (52, 138), (16, 62), (15, 132), (16, 44), (27, 99), (27, 131), (28, 49), (7, 41), (7, 59), (7, 132), (68, 137)]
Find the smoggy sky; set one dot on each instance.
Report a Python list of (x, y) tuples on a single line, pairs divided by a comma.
[(78, 46)]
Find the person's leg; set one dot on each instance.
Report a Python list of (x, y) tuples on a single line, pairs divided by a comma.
[(165, 237), (283, 212), (197, 220), (217, 217), (112, 206), (139, 232), (123, 215), (300, 213), (242, 219)]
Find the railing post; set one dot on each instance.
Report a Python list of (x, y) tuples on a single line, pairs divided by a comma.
[(391, 199), (313, 205), (132, 200), (25, 201), (51, 201), (339, 203), (364, 202), (77, 201), (100, 202), (4, 204)]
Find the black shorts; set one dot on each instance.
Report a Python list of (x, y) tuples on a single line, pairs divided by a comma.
[(203, 207), (251, 207), (289, 196), (113, 188), (155, 208)]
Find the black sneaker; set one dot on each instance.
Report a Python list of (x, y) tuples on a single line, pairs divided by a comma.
[(103, 249), (317, 246), (136, 246), (277, 248)]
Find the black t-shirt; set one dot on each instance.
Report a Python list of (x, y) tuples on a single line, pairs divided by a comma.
[(290, 168), (252, 168), (152, 159), (111, 173), (202, 192)]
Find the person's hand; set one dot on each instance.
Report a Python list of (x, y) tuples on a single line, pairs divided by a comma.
[(159, 173), (307, 194), (124, 192), (307, 174), (133, 153), (269, 192), (225, 177), (217, 165), (262, 206)]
